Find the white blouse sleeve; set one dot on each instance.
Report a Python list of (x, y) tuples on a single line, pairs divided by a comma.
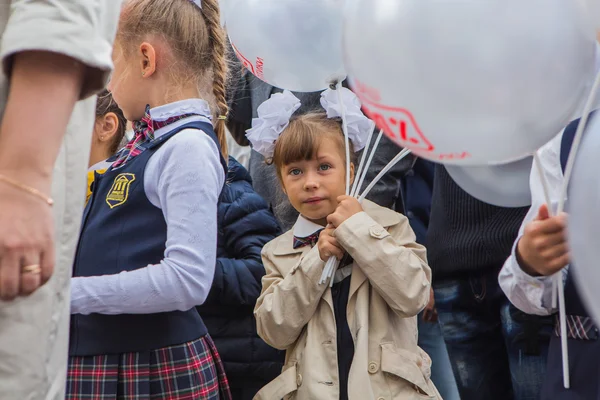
[(533, 295), (184, 179)]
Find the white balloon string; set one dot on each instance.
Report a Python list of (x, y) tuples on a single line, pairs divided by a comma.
[(557, 278), (576, 141), (345, 129), (562, 316), (361, 164), (332, 262), (540, 168), (544, 181), (390, 165), (366, 170)]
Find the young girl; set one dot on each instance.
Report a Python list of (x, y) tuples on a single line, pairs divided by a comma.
[(147, 250), (357, 340), (109, 130)]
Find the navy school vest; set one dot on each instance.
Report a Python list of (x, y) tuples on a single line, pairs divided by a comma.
[(123, 231), (584, 369)]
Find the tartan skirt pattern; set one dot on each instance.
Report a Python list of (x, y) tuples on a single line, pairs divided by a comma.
[(187, 371)]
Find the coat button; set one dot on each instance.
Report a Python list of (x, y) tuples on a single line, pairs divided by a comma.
[(299, 380), (381, 398), (373, 367), (377, 232)]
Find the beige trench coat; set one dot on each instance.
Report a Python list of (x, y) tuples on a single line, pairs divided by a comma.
[(34, 330), (389, 286)]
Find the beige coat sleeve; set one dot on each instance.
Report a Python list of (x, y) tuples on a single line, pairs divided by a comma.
[(393, 262), (81, 29), (286, 304)]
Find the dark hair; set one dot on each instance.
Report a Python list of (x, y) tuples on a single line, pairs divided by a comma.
[(303, 136), (106, 104)]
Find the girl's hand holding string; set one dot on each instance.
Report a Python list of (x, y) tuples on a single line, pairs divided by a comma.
[(328, 245), (347, 207)]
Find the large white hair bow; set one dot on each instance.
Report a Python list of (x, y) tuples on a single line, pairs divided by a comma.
[(358, 125), (273, 117)]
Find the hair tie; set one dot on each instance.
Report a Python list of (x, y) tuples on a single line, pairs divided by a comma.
[(197, 3), (222, 117)]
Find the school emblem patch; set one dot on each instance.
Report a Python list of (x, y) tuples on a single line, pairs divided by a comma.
[(119, 191)]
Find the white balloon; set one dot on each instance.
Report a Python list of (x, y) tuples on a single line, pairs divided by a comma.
[(584, 218), (468, 81), (505, 185), (594, 11), (596, 105), (290, 44)]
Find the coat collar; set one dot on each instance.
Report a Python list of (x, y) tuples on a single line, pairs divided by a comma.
[(383, 216)]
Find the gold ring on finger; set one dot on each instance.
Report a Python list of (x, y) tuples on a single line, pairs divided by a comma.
[(31, 269)]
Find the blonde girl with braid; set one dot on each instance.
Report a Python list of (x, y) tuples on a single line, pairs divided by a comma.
[(147, 251)]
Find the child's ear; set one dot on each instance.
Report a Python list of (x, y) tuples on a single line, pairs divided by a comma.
[(351, 173), (148, 59), (108, 126)]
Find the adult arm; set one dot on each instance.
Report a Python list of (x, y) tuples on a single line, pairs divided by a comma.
[(53, 53), (184, 180)]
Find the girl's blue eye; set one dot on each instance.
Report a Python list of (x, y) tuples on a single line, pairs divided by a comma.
[(295, 172), (324, 167)]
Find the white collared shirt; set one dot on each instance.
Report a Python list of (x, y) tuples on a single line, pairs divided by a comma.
[(183, 178), (304, 228), (533, 295)]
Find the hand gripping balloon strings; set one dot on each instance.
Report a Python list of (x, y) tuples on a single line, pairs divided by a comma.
[(328, 273), (557, 279)]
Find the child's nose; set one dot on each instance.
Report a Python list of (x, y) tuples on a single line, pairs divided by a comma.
[(311, 182)]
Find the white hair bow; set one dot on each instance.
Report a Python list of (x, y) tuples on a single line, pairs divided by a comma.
[(359, 126), (273, 117)]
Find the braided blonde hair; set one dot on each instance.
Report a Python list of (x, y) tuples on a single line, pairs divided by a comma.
[(195, 39)]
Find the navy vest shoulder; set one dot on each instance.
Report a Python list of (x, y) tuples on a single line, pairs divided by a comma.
[(123, 231)]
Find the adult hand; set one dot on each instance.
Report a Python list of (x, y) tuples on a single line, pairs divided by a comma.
[(328, 245), (26, 240), (543, 249), (347, 207)]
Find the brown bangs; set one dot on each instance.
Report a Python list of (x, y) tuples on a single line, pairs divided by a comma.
[(301, 139)]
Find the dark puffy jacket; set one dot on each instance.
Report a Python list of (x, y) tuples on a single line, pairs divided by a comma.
[(245, 225)]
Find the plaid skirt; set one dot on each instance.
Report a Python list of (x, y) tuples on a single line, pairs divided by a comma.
[(187, 371)]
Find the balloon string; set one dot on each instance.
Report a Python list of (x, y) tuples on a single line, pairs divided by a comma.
[(332, 263), (345, 129), (361, 164), (369, 161), (545, 187), (390, 165)]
